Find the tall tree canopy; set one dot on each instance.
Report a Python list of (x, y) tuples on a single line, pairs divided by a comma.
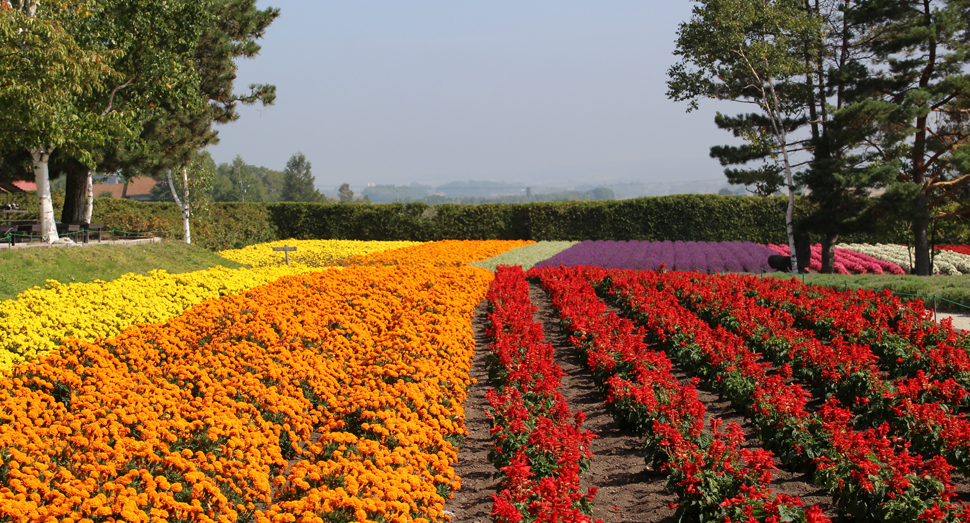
[(917, 110), (298, 181), (853, 95)]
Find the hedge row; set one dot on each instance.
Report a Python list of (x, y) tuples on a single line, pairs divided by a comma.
[(679, 217)]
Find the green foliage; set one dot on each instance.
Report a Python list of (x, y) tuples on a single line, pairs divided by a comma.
[(681, 217), (46, 82), (345, 194), (392, 221), (228, 226), (233, 226), (298, 181), (22, 269), (201, 172), (482, 222), (755, 52), (916, 104)]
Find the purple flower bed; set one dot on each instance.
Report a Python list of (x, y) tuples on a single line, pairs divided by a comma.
[(679, 256)]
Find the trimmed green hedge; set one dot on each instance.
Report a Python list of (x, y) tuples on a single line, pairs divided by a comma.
[(228, 226), (679, 217)]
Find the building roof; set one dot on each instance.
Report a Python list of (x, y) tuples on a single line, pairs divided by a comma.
[(138, 188)]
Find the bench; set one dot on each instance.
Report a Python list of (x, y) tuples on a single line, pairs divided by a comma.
[(63, 229), (88, 228)]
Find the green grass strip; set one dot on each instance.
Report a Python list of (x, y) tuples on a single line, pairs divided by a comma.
[(25, 268)]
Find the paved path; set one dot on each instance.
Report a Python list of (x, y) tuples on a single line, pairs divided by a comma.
[(960, 321)]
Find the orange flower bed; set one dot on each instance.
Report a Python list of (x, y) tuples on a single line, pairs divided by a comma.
[(332, 396), (443, 253)]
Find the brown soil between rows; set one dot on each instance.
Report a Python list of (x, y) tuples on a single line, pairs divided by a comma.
[(628, 492), (473, 502)]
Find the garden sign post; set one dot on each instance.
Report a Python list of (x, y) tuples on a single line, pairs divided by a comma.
[(286, 252)]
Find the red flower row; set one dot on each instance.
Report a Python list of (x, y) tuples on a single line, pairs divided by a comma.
[(539, 447), (901, 334), (713, 476), (922, 410), (883, 460)]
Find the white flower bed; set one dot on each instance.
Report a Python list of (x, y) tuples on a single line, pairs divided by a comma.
[(526, 256), (959, 261), (944, 262)]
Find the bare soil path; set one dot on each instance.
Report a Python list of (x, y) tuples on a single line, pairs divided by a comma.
[(628, 491), (473, 502)]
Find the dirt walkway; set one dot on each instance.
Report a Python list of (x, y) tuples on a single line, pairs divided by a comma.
[(627, 490), (473, 502)]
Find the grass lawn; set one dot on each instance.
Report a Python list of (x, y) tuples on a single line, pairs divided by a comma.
[(21, 269), (949, 288)]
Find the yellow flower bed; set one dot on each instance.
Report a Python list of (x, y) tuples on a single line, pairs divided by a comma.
[(37, 321), (332, 396), (443, 253), (309, 253)]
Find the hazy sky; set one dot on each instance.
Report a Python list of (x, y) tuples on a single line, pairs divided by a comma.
[(437, 91)]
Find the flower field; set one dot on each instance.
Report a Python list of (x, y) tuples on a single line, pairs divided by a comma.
[(685, 256), (848, 261), (540, 447), (334, 395), (34, 324), (525, 256), (945, 261), (333, 390), (882, 434), (309, 253)]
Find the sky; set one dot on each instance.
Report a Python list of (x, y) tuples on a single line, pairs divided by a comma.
[(547, 92)]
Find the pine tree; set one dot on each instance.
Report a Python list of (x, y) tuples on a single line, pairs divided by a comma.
[(298, 181)]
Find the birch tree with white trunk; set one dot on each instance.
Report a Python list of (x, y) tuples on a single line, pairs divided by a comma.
[(751, 52), (191, 191), (89, 198), (184, 207)]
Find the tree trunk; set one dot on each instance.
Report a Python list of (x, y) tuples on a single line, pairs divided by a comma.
[(88, 198), (803, 250), (184, 208), (921, 240), (40, 157), (828, 253), (74, 194), (921, 247), (790, 227)]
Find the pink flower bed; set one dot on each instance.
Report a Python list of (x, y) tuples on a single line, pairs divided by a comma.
[(846, 261)]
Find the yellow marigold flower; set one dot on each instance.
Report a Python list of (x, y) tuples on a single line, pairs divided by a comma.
[(309, 253), (35, 323)]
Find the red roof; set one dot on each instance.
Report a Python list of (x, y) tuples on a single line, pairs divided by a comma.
[(25, 185), (139, 188)]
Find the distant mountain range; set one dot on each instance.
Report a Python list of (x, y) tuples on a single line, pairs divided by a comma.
[(481, 191)]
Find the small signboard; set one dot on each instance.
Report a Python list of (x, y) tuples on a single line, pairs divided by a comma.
[(286, 252)]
